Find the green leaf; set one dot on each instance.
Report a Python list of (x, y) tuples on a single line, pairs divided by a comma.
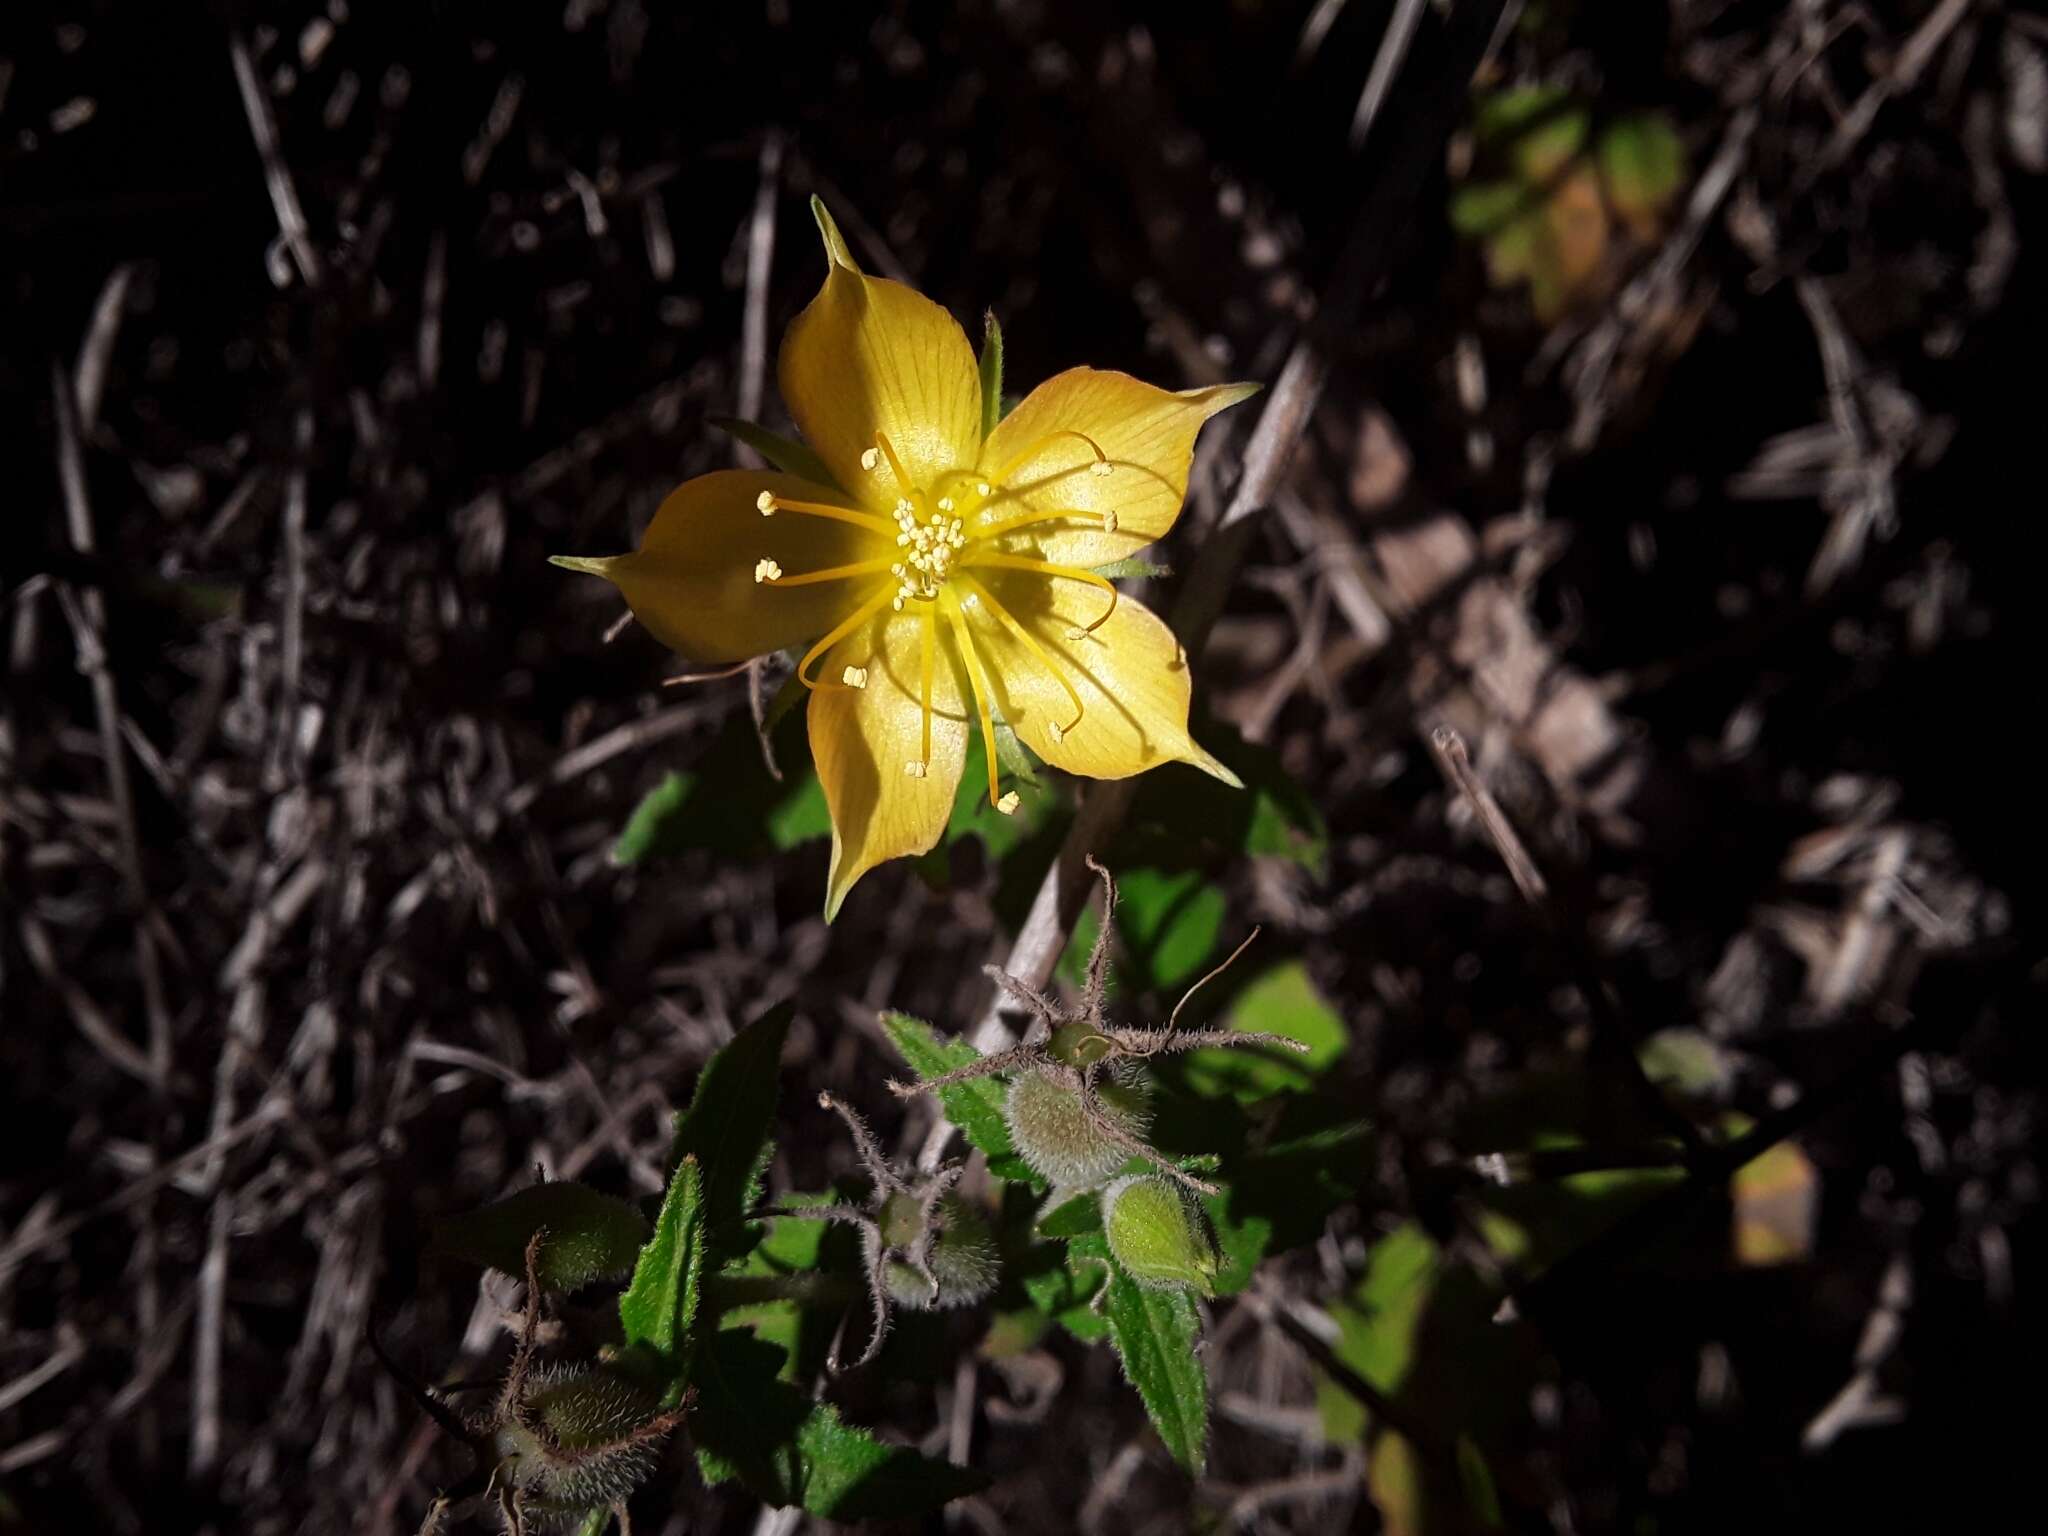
[(976, 1106), (1133, 568), (728, 1125), (991, 373), (803, 816), (1158, 1334), (1281, 1001), (726, 803), (1480, 208), (749, 1424), (1169, 923), (660, 1307), (1643, 161), (590, 1236), (785, 453), (1073, 1218), (656, 812), (1062, 1281)]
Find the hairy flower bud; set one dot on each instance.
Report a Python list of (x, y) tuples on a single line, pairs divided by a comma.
[(1156, 1236), (1067, 1141), (962, 1256), (577, 1437)]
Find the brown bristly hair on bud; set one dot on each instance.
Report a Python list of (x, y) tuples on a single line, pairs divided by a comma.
[(922, 1245)]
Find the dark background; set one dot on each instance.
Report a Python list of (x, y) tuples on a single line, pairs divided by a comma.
[(344, 680)]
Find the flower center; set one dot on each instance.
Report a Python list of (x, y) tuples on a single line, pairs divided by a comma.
[(931, 548), (939, 547)]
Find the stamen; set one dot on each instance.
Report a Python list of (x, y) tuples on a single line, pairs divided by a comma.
[(766, 570), (1099, 467), (1009, 803), (924, 692), (1030, 520), (895, 465), (1053, 727), (978, 684), (1109, 521), (1047, 568), (861, 615), (869, 458), (916, 770), (770, 504), (830, 573), (855, 677)]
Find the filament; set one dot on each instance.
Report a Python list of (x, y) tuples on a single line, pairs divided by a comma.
[(1032, 519), (931, 634), (1031, 641), (1047, 568), (1008, 469), (866, 611), (833, 573), (770, 504), (977, 683), (895, 465)]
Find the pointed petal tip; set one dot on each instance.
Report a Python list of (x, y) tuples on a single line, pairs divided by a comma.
[(1228, 395), (836, 251), (1213, 767), (589, 565)]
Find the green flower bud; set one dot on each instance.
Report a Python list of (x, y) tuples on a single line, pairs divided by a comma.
[(1056, 1135), (962, 1257), (577, 1439), (1156, 1237), (589, 1236)]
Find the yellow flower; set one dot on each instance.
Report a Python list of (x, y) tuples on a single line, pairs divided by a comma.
[(941, 579)]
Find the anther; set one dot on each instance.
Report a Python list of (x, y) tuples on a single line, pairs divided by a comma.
[(915, 769), (1109, 521), (945, 505), (983, 488), (1056, 731), (1099, 468), (767, 570), (1009, 803), (870, 458), (766, 502), (855, 677)]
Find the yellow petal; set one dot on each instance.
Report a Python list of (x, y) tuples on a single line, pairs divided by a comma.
[(1148, 435), (693, 580), (869, 355), (862, 740), (1130, 674)]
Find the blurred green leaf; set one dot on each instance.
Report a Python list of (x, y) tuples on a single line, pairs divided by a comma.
[(659, 1308), (590, 1236), (1169, 922), (991, 372), (1282, 1001), (728, 804), (1643, 159), (785, 453), (1481, 208), (729, 1125), (976, 1106), (1073, 1218), (1158, 1336), (1132, 568), (748, 1423)]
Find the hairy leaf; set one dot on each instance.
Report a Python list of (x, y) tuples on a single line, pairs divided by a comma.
[(749, 1424), (728, 1125), (976, 1107), (1158, 1334), (660, 1306)]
